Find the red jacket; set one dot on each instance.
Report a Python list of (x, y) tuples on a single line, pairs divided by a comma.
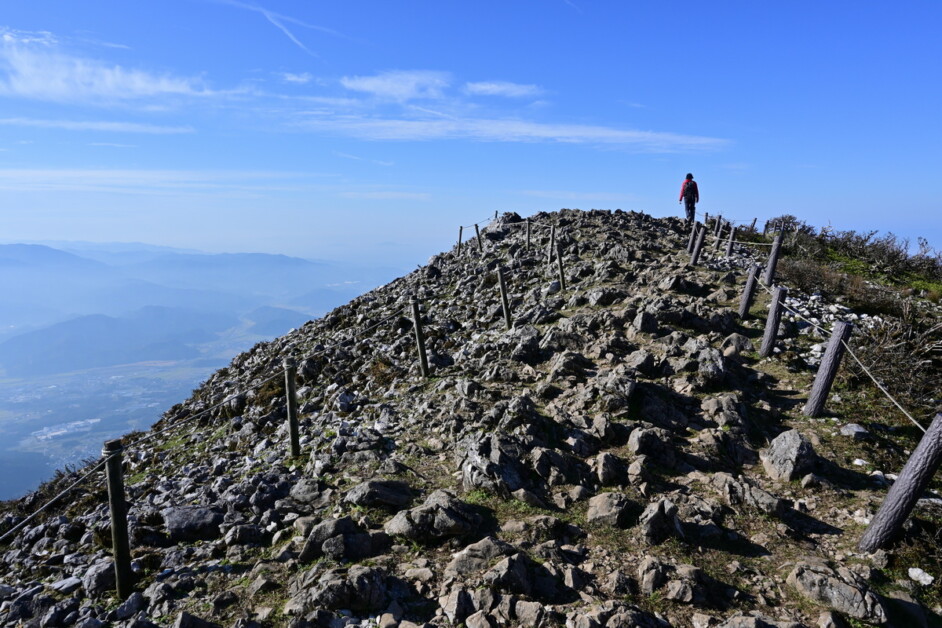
[(696, 190)]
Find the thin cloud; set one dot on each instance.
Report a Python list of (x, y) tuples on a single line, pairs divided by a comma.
[(400, 85), (89, 125), (509, 130), (128, 181), (372, 161), (112, 145), (502, 88), (387, 195), (299, 79), (32, 66), (278, 20), (566, 195)]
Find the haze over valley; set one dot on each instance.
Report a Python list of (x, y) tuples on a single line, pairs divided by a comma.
[(98, 339)]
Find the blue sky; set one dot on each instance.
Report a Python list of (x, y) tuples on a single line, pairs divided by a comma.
[(370, 130)]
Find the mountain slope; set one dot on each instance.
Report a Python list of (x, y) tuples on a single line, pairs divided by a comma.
[(596, 465)]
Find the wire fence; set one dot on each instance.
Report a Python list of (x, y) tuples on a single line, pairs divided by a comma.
[(177, 424), (361, 333)]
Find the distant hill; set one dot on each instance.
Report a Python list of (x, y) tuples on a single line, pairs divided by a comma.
[(151, 333), (275, 321)]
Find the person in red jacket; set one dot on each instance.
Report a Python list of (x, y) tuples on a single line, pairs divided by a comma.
[(690, 196)]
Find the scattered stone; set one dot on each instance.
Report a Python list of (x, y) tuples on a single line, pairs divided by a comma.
[(789, 456), (841, 590)]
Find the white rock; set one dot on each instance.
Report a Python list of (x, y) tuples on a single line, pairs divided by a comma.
[(920, 576)]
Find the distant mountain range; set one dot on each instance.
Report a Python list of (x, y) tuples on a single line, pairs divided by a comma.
[(104, 336)]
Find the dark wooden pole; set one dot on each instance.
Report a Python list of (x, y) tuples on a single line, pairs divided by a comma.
[(749, 291), (828, 369), (695, 256), (906, 491), (765, 228), (718, 227), (773, 321), (559, 263), (729, 243), (716, 240), (769, 276), (505, 302), (694, 227), (478, 232), (120, 545), (753, 227), (495, 214), (291, 393), (460, 234), (552, 244), (419, 337)]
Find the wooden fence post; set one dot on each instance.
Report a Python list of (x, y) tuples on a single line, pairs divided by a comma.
[(716, 240), (718, 227), (765, 228), (460, 234), (769, 276), (503, 297), (753, 227), (828, 369), (419, 337), (906, 491), (729, 243), (559, 263), (495, 214), (291, 372), (478, 232), (120, 545), (749, 291), (773, 321), (693, 236), (552, 244), (695, 256)]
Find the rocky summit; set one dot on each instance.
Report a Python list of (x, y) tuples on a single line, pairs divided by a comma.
[(618, 455)]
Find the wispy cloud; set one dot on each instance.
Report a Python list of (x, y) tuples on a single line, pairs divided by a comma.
[(508, 130), (169, 182), (279, 21), (372, 161), (112, 145), (299, 79), (33, 66), (92, 125), (387, 195), (502, 88), (566, 195), (400, 85)]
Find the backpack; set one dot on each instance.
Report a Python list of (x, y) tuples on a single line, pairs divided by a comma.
[(690, 191)]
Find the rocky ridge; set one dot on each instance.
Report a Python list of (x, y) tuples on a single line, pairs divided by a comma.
[(620, 457)]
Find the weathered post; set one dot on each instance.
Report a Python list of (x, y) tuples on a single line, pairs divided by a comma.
[(906, 491), (559, 263), (460, 233), (718, 227), (695, 256), (495, 214), (828, 369), (528, 234), (291, 373), (552, 244), (478, 232), (729, 243), (716, 240), (419, 337), (693, 236), (503, 296), (749, 291), (120, 545), (769, 276), (765, 228), (753, 226), (773, 321)]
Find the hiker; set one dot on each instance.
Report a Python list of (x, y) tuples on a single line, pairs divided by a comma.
[(690, 196)]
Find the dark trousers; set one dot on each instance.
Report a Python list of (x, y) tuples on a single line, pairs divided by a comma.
[(690, 206)]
